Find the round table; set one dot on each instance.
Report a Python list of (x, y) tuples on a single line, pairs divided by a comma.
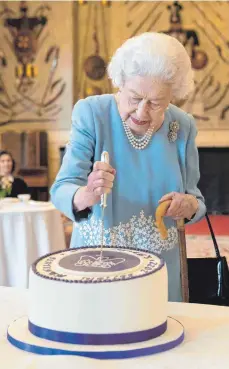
[(205, 345), (28, 230)]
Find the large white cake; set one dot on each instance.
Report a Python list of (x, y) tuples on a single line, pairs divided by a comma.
[(82, 301)]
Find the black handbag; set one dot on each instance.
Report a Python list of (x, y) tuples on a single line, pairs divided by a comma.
[(208, 278)]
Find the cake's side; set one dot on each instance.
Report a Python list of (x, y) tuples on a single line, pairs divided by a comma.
[(136, 302)]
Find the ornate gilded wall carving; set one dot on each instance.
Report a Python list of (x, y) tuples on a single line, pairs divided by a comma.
[(93, 19), (32, 85), (202, 26)]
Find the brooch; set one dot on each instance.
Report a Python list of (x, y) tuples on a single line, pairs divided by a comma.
[(173, 130)]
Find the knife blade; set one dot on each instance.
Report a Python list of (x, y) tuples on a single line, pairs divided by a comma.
[(105, 159)]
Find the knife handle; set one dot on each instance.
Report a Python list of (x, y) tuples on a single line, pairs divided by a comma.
[(105, 159)]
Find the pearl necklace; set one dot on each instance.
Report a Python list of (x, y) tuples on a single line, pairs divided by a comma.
[(136, 142)]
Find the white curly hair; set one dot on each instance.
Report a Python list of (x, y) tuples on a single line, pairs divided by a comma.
[(156, 55)]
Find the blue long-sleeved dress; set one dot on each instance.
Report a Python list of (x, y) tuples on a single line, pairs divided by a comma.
[(142, 178)]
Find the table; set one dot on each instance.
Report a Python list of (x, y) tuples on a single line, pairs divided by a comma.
[(28, 230), (205, 346)]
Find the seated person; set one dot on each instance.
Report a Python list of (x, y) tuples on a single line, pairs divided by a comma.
[(7, 167)]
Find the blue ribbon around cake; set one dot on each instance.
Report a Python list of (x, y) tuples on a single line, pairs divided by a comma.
[(101, 355), (97, 339)]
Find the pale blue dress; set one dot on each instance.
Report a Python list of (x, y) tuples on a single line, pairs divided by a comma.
[(142, 178)]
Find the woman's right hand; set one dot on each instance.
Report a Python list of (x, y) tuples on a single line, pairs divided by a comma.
[(100, 181)]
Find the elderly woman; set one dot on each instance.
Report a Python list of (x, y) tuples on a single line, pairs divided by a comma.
[(153, 156), (17, 185)]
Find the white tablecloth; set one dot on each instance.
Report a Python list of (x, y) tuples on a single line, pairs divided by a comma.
[(27, 231), (206, 344)]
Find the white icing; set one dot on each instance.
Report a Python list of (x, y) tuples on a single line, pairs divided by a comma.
[(118, 307)]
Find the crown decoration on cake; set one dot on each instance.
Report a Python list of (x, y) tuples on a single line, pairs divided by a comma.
[(97, 262), (129, 263)]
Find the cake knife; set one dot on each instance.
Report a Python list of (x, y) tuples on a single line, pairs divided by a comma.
[(103, 204)]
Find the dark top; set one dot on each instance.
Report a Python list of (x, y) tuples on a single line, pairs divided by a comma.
[(18, 187)]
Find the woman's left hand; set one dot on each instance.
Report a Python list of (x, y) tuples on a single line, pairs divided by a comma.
[(182, 205)]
